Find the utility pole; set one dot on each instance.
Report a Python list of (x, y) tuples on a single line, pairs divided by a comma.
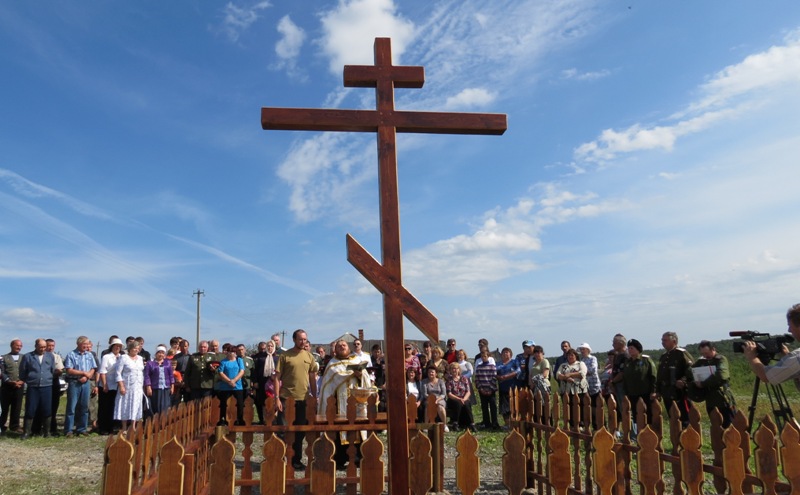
[(198, 293)]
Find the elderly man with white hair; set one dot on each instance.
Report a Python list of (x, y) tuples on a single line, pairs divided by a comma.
[(592, 375)]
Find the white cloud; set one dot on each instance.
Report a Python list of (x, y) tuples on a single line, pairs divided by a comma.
[(109, 297), (757, 73), (351, 28), (637, 138), (325, 172), (735, 90), (293, 36), (32, 190), (266, 274), (188, 210), (30, 320), (500, 246), (237, 19), (321, 172), (471, 97), (573, 73)]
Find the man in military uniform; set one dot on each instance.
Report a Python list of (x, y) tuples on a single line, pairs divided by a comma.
[(249, 364), (199, 377), (671, 379), (711, 382)]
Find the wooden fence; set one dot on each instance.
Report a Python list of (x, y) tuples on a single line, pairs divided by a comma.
[(552, 447)]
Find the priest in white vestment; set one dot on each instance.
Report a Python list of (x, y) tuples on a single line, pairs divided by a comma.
[(343, 372)]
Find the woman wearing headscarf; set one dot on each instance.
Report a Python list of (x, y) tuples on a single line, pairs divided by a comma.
[(159, 381)]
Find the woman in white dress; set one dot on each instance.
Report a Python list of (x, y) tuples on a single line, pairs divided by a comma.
[(130, 387)]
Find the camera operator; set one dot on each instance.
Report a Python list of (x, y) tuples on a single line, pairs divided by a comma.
[(789, 365)]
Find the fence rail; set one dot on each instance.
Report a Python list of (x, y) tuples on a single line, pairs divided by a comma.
[(555, 446)]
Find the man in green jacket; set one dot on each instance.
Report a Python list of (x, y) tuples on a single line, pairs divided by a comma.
[(671, 379), (710, 377), (199, 377), (639, 378)]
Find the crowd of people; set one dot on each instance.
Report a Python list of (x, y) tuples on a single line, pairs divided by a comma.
[(456, 381), (125, 384)]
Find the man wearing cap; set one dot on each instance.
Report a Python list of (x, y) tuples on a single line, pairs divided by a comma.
[(522, 360), (671, 379), (451, 354)]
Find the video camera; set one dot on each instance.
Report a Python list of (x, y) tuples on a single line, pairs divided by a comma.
[(766, 345)]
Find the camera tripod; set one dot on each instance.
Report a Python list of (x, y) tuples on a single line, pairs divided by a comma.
[(777, 402)]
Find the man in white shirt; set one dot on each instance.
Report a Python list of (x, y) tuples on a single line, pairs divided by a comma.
[(362, 356)]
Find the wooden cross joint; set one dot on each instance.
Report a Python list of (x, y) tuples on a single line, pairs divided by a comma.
[(387, 284)]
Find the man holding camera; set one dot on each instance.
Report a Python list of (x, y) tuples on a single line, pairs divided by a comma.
[(789, 365)]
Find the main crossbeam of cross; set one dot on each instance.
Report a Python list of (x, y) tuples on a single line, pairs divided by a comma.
[(386, 276)]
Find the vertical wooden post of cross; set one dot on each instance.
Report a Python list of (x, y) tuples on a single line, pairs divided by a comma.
[(387, 276)]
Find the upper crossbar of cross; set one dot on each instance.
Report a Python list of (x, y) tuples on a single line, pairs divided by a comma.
[(384, 77)]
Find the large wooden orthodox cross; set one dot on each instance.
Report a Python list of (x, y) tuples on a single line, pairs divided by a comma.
[(386, 276)]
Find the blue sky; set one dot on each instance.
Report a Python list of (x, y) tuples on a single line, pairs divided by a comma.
[(647, 181)]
